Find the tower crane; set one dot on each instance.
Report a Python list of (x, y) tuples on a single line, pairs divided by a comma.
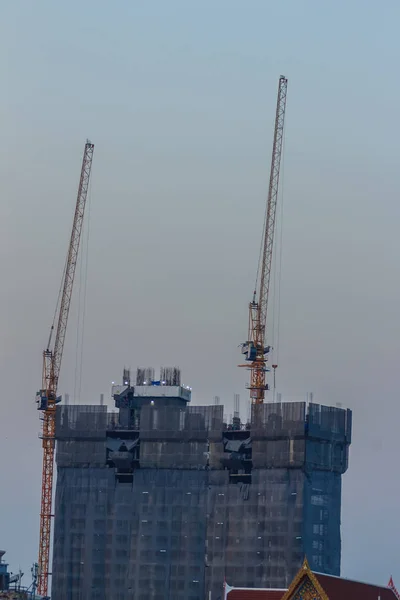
[(256, 348), (47, 397)]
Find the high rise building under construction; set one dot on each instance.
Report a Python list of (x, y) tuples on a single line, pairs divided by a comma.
[(161, 500)]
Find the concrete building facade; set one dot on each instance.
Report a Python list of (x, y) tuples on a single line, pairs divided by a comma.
[(163, 500)]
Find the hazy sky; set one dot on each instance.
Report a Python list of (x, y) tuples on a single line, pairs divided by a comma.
[(179, 99)]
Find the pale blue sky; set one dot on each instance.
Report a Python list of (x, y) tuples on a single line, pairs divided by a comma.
[(179, 99)]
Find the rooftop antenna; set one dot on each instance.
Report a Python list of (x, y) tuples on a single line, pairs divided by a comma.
[(236, 405), (34, 571), (126, 377), (236, 413), (274, 368)]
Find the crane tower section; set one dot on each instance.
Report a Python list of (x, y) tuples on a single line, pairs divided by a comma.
[(52, 357), (256, 348)]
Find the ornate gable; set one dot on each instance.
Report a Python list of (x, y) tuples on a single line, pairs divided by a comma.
[(306, 591), (305, 586)]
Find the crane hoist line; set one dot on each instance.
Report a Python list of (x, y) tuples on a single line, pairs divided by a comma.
[(47, 398), (255, 348)]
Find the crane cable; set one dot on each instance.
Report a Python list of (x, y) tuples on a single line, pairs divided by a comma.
[(57, 305), (85, 280), (276, 323), (277, 270), (260, 256), (83, 276)]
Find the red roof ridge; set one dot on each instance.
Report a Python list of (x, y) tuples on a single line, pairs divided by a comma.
[(230, 588), (382, 587), (242, 593)]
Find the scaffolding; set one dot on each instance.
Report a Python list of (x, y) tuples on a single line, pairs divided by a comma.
[(168, 508)]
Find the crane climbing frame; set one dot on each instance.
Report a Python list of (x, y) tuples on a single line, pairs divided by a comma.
[(52, 357)]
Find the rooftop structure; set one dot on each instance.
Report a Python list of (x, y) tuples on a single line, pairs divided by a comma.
[(10, 584), (4, 574), (163, 500)]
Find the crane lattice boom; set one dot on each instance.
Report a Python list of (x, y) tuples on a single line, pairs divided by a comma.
[(255, 348), (51, 370)]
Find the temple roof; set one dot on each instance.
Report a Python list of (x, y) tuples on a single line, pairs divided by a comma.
[(337, 588), (326, 587)]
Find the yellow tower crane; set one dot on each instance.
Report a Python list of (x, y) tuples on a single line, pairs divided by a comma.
[(256, 348)]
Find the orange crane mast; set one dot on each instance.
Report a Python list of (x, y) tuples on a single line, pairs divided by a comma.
[(47, 397), (255, 348)]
